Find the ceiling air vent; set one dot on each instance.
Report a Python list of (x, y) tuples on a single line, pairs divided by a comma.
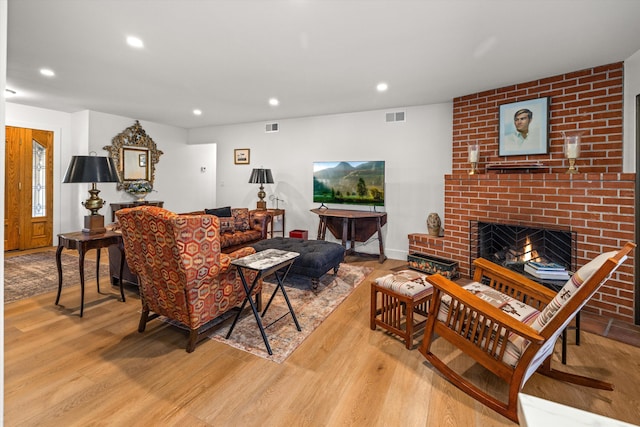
[(397, 116), (271, 127)]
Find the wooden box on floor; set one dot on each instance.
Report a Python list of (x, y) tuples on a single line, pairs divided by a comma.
[(432, 265), (395, 300)]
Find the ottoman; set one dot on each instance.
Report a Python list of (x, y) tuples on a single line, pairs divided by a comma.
[(316, 256), (402, 295)]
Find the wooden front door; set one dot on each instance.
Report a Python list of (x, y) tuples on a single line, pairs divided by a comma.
[(28, 195)]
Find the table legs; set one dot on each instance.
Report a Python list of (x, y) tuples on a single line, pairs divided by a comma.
[(82, 280), (286, 298), (59, 265), (81, 253), (249, 290)]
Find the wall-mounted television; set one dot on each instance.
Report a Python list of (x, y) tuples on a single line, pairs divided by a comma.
[(350, 183)]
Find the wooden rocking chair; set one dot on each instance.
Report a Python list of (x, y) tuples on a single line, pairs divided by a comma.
[(518, 338)]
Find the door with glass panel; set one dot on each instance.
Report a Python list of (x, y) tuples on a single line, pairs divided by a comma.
[(28, 216)]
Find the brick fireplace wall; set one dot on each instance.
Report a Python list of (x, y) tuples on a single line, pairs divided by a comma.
[(597, 203)]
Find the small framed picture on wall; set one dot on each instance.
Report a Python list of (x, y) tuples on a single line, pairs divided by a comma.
[(524, 127), (241, 156)]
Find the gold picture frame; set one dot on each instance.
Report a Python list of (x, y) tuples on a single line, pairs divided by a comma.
[(241, 156)]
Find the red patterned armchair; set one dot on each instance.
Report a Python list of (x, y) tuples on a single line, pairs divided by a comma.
[(181, 271)]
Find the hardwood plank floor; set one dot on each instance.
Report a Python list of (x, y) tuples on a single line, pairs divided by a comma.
[(61, 370)]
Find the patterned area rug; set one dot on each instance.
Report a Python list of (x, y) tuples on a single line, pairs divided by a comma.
[(311, 308), (36, 273)]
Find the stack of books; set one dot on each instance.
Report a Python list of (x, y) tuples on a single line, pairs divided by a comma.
[(546, 270)]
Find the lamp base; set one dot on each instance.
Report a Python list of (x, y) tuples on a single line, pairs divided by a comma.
[(261, 205), (94, 224)]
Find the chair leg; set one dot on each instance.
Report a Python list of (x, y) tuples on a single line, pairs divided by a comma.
[(547, 370), (144, 317), (193, 340), (408, 340)]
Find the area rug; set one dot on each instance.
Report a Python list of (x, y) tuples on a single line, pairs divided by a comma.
[(312, 307), (36, 273)]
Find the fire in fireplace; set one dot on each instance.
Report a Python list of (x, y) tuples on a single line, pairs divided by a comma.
[(513, 245)]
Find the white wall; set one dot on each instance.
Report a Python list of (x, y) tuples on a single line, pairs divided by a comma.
[(179, 181), (417, 155), (631, 90)]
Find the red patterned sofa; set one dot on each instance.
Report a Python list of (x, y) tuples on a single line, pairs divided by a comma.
[(239, 228), (183, 275)]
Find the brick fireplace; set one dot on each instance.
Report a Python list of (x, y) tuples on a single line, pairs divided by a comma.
[(596, 204)]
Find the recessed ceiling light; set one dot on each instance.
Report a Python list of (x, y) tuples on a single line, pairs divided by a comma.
[(274, 102), (47, 72), (8, 93), (381, 87), (135, 42), (197, 112)]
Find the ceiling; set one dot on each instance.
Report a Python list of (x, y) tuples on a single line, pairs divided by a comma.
[(227, 58)]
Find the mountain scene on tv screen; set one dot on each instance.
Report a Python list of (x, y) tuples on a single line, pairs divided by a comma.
[(355, 183)]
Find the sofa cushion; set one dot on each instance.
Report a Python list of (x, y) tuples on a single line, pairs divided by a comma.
[(219, 212), (241, 218), (239, 237)]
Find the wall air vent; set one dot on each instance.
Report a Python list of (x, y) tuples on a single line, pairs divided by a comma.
[(397, 116), (271, 127)]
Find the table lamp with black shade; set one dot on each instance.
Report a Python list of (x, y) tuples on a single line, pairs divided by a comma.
[(92, 169), (261, 176)]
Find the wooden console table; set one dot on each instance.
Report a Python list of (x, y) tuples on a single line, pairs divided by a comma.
[(121, 205), (353, 226)]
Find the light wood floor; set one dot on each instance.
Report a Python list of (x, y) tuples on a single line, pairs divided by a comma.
[(61, 370)]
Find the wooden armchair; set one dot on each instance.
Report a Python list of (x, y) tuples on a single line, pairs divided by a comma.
[(510, 324), (181, 271)]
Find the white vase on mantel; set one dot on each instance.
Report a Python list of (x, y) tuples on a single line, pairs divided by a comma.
[(434, 224)]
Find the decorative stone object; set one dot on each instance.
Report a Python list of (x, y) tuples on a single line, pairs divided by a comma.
[(434, 224)]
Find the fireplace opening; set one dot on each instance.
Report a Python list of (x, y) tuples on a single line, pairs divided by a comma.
[(513, 245)]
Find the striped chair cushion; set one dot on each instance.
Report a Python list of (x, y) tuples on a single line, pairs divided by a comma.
[(406, 282), (511, 306)]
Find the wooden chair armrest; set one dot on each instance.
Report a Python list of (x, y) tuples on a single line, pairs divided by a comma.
[(444, 285), (486, 268)]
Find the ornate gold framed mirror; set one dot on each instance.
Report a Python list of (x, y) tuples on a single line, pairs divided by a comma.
[(135, 155)]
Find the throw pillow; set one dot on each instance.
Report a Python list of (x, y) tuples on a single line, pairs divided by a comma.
[(241, 218), (219, 212), (569, 289), (227, 224)]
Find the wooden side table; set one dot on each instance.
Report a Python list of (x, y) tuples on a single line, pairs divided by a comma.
[(274, 213), (84, 242)]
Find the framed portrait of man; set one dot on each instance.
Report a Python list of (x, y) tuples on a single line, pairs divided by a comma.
[(524, 127)]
